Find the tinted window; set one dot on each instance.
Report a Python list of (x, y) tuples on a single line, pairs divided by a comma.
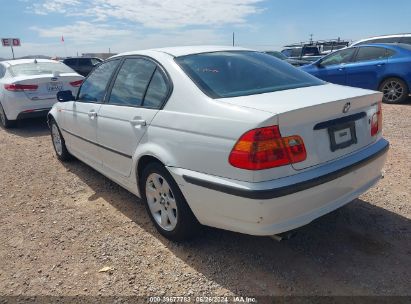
[(131, 82), (371, 53), (84, 62), (296, 52), (93, 88), (70, 62), (277, 54), (339, 57), (286, 53), (39, 68), (157, 91), (230, 74)]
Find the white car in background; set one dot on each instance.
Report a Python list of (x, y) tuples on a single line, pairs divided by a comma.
[(28, 87), (397, 38), (224, 137)]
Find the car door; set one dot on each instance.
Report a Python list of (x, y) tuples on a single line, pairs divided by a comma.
[(80, 116), (333, 67), (136, 95), (368, 68)]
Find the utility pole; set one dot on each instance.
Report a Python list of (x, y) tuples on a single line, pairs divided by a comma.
[(233, 39), (11, 45)]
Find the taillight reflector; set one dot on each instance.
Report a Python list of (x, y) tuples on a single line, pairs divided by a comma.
[(20, 87), (264, 148), (376, 121), (76, 83)]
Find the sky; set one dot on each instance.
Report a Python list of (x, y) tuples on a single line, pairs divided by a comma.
[(126, 25)]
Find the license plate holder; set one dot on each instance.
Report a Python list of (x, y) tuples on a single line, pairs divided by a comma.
[(54, 86), (342, 136)]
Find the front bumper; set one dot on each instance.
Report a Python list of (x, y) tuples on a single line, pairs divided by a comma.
[(283, 204)]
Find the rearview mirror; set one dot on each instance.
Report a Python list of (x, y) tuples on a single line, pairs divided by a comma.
[(64, 96)]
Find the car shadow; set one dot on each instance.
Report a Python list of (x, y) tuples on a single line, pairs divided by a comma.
[(32, 127), (360, 249)]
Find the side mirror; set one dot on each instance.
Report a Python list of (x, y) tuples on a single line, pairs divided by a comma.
[(64, 96), (318, 64)]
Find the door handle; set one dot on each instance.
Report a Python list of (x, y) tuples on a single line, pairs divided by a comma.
[(380, 64), (138, 122), (341, 69), (92, 114)]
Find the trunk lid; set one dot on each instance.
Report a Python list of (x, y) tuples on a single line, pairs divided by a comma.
[(317, 115), (48, 84)]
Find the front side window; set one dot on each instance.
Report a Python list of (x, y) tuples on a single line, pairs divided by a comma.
[(339, 57), (240, 73), (406, 40), (94, 87), (367, 53)]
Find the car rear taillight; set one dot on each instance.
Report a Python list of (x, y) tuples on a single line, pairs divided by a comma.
[(20, 87), (376, 121), (76, 83), (264, 148)]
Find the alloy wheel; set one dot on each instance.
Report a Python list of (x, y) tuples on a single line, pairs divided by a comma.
[(161, 202), (58, 145), (393, 91)]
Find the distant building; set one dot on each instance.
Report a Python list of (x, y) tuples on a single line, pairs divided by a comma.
[(98, 55)]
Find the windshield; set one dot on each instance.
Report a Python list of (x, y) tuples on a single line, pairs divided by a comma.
[(40, 68), (240, 73)]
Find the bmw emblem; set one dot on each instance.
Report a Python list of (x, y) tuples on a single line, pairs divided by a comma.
[(347, 107)]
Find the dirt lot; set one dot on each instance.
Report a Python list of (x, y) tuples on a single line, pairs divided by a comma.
[(61, 224)]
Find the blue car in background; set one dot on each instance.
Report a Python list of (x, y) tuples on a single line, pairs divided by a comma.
[(382, 67)]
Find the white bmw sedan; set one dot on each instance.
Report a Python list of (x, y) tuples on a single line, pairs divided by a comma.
[(28, 87), (224, 137)]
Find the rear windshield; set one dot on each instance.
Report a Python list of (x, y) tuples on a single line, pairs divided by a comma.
[(241, 73), (40, 68)]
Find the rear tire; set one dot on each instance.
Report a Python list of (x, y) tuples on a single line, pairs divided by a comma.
[(166, 204), (59, 144), (395, 90), (4, 121)]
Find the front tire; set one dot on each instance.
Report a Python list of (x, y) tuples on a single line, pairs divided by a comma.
[(166, 204), (4, 121), (59, 144), (395, 90)]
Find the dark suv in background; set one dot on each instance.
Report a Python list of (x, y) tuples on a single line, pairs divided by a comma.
[(82, 65)]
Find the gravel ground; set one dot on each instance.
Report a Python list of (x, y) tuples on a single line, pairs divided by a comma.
[(61, 224)]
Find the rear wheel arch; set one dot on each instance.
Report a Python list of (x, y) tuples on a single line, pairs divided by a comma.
[(142, 163)]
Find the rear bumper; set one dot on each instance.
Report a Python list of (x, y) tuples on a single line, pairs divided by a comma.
[(33, 113), (279, 205)]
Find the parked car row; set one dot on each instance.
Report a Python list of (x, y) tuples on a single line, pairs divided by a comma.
[(28, 87), (380, 67)]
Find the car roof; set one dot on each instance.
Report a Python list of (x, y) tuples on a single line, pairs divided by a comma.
[(389, 45), (384, 36), (22, 61), (185, 50)]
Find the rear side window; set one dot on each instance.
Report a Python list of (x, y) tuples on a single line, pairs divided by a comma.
[(240, 73), (94, 87), (131, 82), (367, 53), (157, 91)]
